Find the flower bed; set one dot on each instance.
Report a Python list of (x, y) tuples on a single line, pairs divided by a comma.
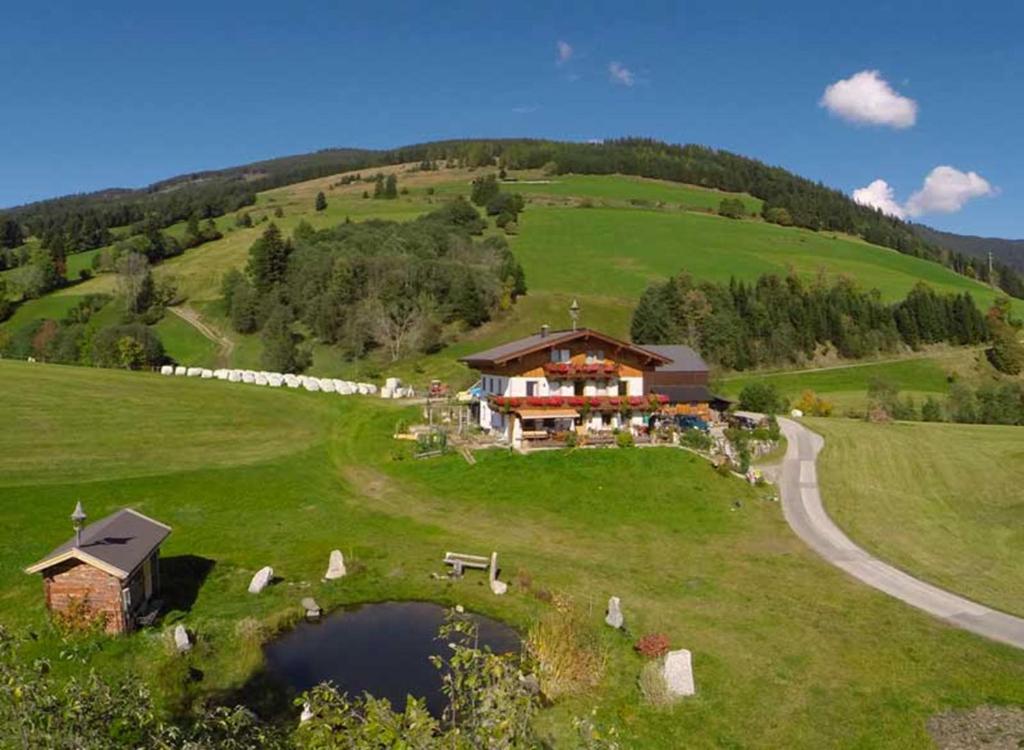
[(648, 403), (571, 370)]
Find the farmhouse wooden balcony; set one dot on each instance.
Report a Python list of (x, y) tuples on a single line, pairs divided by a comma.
[(652, 402), (571, 371)]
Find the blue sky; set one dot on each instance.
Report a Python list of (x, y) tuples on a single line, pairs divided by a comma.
[(121, 94)]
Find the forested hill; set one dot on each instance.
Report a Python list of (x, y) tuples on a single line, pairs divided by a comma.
[(76, 223), (1010, 252)]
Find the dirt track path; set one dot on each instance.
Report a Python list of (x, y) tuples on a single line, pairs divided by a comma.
[(225, 346)]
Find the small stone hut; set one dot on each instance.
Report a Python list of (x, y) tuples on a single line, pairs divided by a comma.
[(109, 569)]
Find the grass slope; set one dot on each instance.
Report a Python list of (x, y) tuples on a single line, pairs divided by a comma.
[(604, 255), (788, 651), (942, 501)]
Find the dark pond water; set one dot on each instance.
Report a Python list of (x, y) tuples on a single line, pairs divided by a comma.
[(382, 649)]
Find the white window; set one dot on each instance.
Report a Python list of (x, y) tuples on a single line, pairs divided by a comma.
[(597, 356), (560, 355)]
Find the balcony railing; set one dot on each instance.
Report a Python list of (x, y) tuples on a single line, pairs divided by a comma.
[(652, 402), (571, 371)]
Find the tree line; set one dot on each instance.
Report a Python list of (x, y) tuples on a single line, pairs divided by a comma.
[(775, 320), (395, 286)]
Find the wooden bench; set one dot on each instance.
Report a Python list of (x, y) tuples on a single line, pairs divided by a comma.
[(460, 561)]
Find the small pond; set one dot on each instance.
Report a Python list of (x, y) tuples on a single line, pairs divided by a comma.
[(382, 649)]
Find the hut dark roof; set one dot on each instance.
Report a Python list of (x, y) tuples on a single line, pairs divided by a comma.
[(683, 358), (118, 544)]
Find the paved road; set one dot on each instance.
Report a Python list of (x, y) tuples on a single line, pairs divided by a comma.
[(801, 503)]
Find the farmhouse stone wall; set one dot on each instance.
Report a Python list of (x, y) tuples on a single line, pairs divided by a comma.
[(73, 582)]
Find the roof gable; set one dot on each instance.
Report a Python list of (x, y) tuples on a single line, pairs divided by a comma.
[(116, 544), (539, 341)]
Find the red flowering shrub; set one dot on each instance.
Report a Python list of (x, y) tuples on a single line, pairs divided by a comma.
[(652, 645)]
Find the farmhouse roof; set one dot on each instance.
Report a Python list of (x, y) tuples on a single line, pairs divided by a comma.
[(117, 544), (684, 359), (544, 340)]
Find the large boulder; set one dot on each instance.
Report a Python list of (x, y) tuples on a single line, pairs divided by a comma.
[(335, 566), (678, 673), (261, 580)]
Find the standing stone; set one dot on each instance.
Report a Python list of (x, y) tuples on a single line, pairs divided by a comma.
[(261, 580), (335, 566), (613, 617), (313, 609), (678, 673), (181, 640)]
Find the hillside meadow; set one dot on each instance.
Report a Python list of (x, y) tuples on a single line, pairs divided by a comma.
[(941, 501), (788, 651), (600, 239)]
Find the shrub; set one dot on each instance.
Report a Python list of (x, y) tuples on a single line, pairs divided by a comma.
[(813, 405), (652, 645), (624, 439), (571, 439), (568, 655), (732, 208), (762, 397), (696, 439)]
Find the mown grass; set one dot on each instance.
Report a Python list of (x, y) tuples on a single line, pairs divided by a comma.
[(184, 343), (788, 651), (942, 501)]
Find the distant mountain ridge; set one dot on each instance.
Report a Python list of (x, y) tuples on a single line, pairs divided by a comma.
[(1010, 252)]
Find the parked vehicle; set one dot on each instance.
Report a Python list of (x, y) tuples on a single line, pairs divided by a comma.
[(691, 422)]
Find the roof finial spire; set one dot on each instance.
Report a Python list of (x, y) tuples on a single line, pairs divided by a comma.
[(77, 519), (574, 313)]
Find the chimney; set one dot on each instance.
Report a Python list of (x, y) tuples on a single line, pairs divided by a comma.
[(544, 331)]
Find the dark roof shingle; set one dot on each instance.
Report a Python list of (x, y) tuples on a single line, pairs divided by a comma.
[(122, 541), (684, 359)]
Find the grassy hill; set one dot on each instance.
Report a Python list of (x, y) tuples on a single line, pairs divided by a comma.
[(788, 651), (941, 501), (601, 239)]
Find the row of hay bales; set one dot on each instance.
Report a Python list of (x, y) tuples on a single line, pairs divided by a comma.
[(274, 380)]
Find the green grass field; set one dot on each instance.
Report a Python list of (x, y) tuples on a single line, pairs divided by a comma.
[(942, 501), (788, 651)]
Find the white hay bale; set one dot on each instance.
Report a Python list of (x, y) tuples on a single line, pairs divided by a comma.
[(179, 370), (326, 385), (393, 384), (275, 380), (221, 374), (386, 392), (311, 385), (206, 374), (292, 381), (194, 372), (167, 370), (261, 379), (248, 376), (234, 376)]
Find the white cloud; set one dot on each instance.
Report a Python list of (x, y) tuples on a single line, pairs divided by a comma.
[(564, 51), (946, 190), (866, 98), (879, 194), (619, 73)]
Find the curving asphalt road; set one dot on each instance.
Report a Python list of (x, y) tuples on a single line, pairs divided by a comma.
[(801, 503)]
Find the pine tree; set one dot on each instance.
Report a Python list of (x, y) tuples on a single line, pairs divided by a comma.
[(321, 201), (391, 187), (268, 259), (280, 353), (650, 319)]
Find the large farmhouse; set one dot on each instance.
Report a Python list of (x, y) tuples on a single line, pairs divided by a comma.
[(108, 571), (583, 380)]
